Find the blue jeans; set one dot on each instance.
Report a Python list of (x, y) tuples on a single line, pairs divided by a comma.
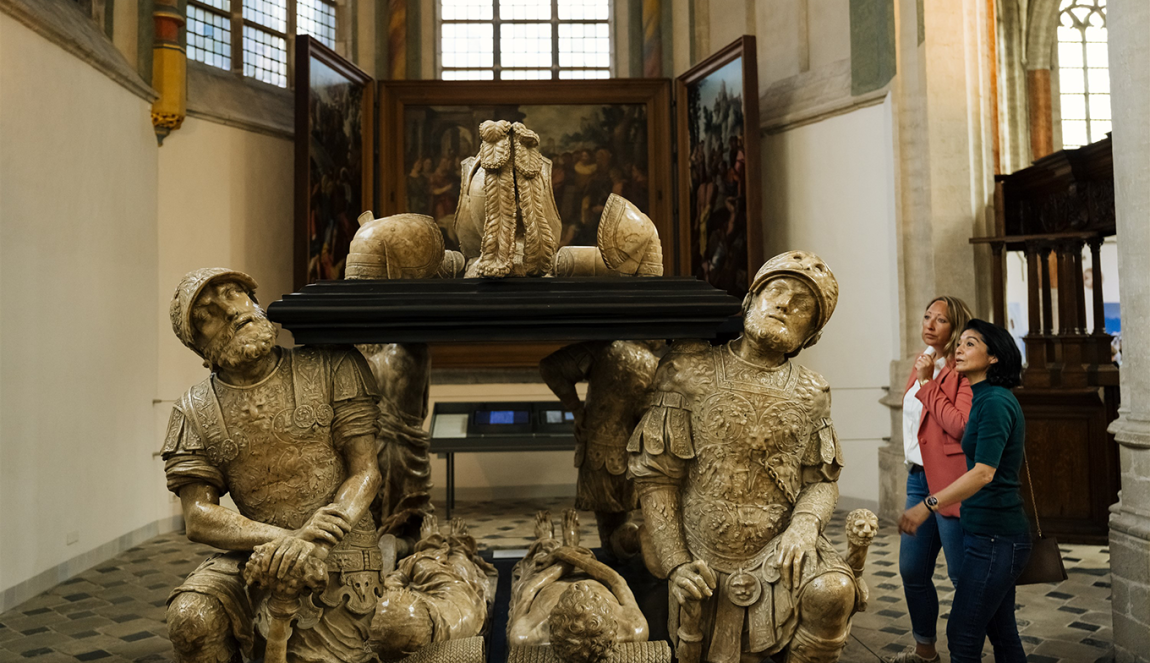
[(984, 603), (917, 557)]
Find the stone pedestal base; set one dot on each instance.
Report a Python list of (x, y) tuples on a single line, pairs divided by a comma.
[(1130, 578), (892, 483), (466, 650), (891, 458), (625, 652)]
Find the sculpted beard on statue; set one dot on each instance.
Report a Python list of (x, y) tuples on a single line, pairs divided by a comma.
[(249, 338)]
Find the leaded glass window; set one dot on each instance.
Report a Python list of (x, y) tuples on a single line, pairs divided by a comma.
[(1083, 72), (524, 39), (251, 36)]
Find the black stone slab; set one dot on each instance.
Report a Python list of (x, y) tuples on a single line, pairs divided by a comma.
[(513, 309)]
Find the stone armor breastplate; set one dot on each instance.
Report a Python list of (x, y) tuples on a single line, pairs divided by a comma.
[(273, 440), (749, 435)]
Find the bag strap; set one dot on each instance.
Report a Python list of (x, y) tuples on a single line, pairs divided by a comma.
[(1030, 485)]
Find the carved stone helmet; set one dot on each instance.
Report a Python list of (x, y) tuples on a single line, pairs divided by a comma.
[(811, 270), (628, 239), (403, 246), (190, 288)]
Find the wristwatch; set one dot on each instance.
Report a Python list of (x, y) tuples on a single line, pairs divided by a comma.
[(931, 503)]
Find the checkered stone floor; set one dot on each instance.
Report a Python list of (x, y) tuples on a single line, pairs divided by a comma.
[(114, 612)]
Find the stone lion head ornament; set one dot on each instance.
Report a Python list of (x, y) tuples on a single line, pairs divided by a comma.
[(809, 269), (862, 525)]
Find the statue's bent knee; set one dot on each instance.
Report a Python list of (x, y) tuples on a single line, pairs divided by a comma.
[(199, 630), (828, 603)]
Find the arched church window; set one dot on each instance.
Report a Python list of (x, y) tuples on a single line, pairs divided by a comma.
[(521, 39), (250, 36), (1083, 72)]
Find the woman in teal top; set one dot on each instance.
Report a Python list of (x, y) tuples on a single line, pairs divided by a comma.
[(997, 533)]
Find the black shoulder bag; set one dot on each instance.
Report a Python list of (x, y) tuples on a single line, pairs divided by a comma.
[(1045, 563)]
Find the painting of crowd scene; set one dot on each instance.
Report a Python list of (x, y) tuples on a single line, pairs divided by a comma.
[(595, 150), (336, 162), (717, 229)]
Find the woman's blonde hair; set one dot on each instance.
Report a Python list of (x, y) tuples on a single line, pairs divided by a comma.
[(959, 314)]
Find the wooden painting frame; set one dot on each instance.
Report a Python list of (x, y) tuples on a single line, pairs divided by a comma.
[(308, 49), (742, 49), (397, 96)]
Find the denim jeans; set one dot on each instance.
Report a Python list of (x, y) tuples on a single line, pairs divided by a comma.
[(917, 557), (984, 603)]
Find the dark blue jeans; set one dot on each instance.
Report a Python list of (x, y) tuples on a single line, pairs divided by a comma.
[(984, 602), (917, 557)]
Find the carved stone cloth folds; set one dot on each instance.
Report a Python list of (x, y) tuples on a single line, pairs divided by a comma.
[(405, 495), (220, 577), (602, 484), (456, 584)]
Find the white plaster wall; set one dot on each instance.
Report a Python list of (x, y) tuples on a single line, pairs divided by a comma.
[(225, 200), (829, 188), (78, 271)]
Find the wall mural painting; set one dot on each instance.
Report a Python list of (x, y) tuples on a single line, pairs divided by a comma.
[(334, 167), (595, 150), (719, 212)]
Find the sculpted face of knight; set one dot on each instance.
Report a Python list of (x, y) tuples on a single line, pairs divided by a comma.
[(230, 329), (781, 316)]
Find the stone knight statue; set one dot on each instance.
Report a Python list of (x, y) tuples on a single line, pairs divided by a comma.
[(292, 435), (736, 464), (619, 375)]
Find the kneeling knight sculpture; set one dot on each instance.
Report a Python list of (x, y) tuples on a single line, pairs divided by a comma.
[(292, 434), (736, 464)]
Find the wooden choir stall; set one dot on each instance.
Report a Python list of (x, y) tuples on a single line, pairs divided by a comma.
[(1052, 211)]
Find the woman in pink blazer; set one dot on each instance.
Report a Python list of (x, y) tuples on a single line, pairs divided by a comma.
[(936, 403)]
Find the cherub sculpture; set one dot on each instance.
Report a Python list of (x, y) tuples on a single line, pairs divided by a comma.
[(619, 378), (736, 464), (443, 591), (292, 435), (562, 596)]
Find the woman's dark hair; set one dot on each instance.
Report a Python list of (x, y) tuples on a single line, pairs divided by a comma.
[(1007, 371)]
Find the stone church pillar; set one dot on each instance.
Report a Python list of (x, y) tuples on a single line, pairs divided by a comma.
[(1129, 23)]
